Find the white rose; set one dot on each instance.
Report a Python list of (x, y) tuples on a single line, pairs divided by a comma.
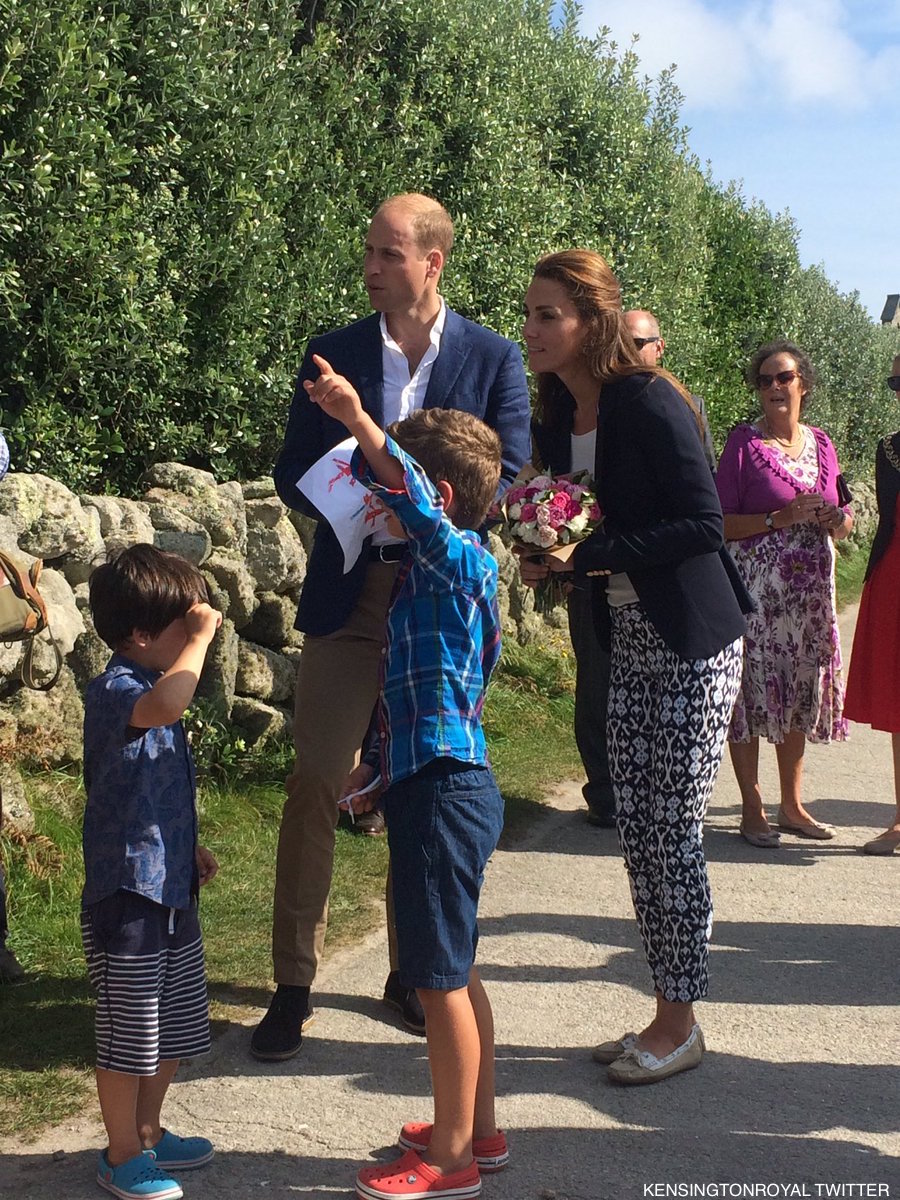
[(546, 537), (514, 511), (577, 524)]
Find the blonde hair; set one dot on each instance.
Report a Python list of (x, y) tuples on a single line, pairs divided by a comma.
[(432, 224)]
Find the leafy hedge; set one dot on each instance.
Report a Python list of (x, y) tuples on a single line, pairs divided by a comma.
[(184, 189)]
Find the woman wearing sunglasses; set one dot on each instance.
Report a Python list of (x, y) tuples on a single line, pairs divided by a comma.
[(873, 684), (779, 483)]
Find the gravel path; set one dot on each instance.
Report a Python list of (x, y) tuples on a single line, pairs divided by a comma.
[(799, 1093)]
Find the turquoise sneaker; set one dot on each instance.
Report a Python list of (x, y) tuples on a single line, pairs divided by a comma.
[(174, 1153), (137, 1178)]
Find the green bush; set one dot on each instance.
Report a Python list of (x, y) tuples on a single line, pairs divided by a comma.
[(184, 190)]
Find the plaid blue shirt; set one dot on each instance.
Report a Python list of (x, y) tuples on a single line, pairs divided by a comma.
[(443, 634)]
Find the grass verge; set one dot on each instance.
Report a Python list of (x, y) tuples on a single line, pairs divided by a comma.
[(46, 1024), (850, 571)]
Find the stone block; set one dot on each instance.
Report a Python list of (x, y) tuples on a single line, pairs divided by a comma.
[(264, 674), (16, 809), (276, 557), (259, 489), (272, 624), (128, 521), (305, 527), (220, 670), (228, 569), (259, 722), (194, 545), (267, 512), (49, 724), (48, 519), (66, 621), (219, 508), (89, 655)]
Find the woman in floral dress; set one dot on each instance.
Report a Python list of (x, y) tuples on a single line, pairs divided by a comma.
[(778, 483)]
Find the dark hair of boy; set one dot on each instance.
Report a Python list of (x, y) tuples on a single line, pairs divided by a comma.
[(458, 448), (143, 588)]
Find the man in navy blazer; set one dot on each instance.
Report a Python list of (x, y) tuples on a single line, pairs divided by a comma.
[(412, 352)]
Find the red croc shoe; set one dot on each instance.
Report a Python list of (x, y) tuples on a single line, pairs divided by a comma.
[(410, 1178), (491, 1153)]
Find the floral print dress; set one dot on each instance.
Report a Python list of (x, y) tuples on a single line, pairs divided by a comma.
[(792, 677)]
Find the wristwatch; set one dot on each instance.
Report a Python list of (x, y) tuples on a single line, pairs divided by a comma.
[(770, 521)]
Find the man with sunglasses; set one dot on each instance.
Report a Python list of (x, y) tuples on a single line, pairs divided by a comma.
[(644, 328)]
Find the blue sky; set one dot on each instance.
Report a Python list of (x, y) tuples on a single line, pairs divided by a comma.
[(800, 100)]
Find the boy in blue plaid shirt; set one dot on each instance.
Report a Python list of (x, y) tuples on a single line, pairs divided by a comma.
[(437, 472)]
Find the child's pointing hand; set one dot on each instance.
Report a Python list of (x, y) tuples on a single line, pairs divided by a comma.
[(333, 393)]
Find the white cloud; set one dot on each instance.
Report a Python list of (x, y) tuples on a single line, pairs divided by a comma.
[(799, 53), (708, 49)]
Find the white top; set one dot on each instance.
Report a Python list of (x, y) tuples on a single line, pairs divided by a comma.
[(584, 446), (619, 591), (404, 393)]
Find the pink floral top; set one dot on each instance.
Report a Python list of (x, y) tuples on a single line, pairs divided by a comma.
[(756, 478)]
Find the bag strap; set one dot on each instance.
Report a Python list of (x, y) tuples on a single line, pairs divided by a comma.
[(27, 670)]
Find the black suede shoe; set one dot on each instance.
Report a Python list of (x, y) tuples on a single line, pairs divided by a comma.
[(11, 970), (280, 1033), (406, 1002), (600, 818), (370, 824)]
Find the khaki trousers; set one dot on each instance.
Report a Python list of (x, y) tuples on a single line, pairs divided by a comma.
[(337, 686)]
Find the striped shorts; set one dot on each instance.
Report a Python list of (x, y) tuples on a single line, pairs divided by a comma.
[(145, 962)]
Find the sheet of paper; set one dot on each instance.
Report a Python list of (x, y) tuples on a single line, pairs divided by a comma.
[(352, 511)]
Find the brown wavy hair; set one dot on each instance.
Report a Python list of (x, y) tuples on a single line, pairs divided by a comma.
[(608, 347)]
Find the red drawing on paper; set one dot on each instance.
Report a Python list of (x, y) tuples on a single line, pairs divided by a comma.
[(374, 508), (344, 472)]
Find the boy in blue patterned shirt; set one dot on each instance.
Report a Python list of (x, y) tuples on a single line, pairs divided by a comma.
[(143, 866), (437, 472)]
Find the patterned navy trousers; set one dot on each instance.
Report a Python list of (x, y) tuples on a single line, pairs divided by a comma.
[(667, 721)]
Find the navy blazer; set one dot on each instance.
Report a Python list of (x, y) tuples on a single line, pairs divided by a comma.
[(662, 520), (476, 371)]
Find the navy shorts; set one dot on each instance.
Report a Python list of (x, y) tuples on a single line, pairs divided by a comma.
[(443, 824), (146, 964)]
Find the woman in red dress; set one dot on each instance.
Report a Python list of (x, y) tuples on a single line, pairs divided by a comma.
[(873, 685)]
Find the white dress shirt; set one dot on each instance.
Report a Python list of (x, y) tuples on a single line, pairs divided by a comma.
[(404, 392)]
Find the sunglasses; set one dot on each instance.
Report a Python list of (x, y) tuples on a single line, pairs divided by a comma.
[(783, 377), (894, 383), (642, 342)]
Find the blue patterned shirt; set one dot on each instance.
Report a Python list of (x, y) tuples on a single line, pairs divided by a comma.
[(140, 821), (443, 633)]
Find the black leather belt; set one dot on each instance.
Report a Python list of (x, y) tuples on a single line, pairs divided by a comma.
[(390, 552)]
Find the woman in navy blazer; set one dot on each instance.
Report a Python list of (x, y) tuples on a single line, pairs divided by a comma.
[(672, 614)]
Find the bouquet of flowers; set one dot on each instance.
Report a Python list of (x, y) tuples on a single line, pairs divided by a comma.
[(548, 517)]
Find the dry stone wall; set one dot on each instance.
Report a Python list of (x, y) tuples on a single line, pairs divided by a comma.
[(252, 550), (250, 547)]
